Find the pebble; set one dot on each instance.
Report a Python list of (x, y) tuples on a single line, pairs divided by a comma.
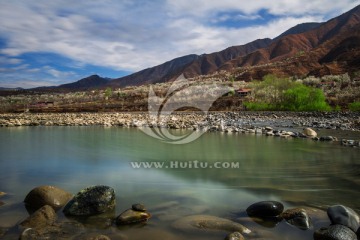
[(335, 232), (138, 207), (42, 217), (46, 195), (340, 214), (234, 236), (130, 217), (297, 217), (265, 209)]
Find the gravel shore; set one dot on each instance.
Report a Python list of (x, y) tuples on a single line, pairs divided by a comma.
[(269, 123)]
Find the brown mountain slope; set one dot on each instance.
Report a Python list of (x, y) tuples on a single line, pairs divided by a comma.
[(304, 53), (190, 66), (299, 51), (338, 55), (291, 45)]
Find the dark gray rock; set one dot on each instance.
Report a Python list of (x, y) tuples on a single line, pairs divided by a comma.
[(297, 217), (130, 216), (265, 209), (46, 195), (44, 216), (91, 201), (138, 207), (335, 232), (234, 236), (340, 214), (328, 138)]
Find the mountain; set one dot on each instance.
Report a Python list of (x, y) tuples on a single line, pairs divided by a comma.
[(93, 81), (165, 71), (300, 28), (10, 89), (300, 54), (308, 48), (190, 65), (332, 47)]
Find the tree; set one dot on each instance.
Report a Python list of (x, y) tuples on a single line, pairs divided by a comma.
[(108, 93)]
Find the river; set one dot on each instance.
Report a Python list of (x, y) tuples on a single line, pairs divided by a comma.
[(236, 170)]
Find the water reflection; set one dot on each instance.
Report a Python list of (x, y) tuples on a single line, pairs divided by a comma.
[(293, 171)]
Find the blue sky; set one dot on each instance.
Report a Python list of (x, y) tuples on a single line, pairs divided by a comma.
[(44, 43)]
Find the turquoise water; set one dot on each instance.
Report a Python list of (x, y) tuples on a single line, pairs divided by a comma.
[(296, 172)]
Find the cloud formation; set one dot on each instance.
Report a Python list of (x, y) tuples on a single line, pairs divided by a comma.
[(130, 35)]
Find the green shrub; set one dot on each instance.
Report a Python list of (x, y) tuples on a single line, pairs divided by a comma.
[(355, 106), (283, 94), (303, 98)]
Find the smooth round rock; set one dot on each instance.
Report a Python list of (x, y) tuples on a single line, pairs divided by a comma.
[(91, 201), (42, 217), (335, 232), (297, 217), (138, 207), (265, 209), (196, 223), (234, 236), (130, 216), (308, 132), (46, 195), (340, 214)]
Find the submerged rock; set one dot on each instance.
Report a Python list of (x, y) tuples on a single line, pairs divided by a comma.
[(91, 201), (297, 217), (335, 232), (265, 209), (340, 214), (64, 230), (93, 237), (44, 216), (130, 216), (2, 231), (210, 223), (138, 207), (234, 236), (46, 195), (328, 138), (308, 132)]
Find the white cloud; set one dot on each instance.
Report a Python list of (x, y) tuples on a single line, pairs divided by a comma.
[(132, 35), (202, 8), (9, 61)]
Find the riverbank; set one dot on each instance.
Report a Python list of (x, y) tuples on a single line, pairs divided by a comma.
[(281, 124)]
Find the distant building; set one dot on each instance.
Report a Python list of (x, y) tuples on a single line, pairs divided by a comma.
[(243, 92)]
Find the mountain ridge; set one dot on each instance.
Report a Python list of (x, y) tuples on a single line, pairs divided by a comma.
[(312, 45)]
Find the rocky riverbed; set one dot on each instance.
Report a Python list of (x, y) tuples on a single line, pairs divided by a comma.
[(278, 124), (43, 222)]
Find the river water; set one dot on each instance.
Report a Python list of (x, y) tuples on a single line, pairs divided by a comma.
[(296, 172)]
